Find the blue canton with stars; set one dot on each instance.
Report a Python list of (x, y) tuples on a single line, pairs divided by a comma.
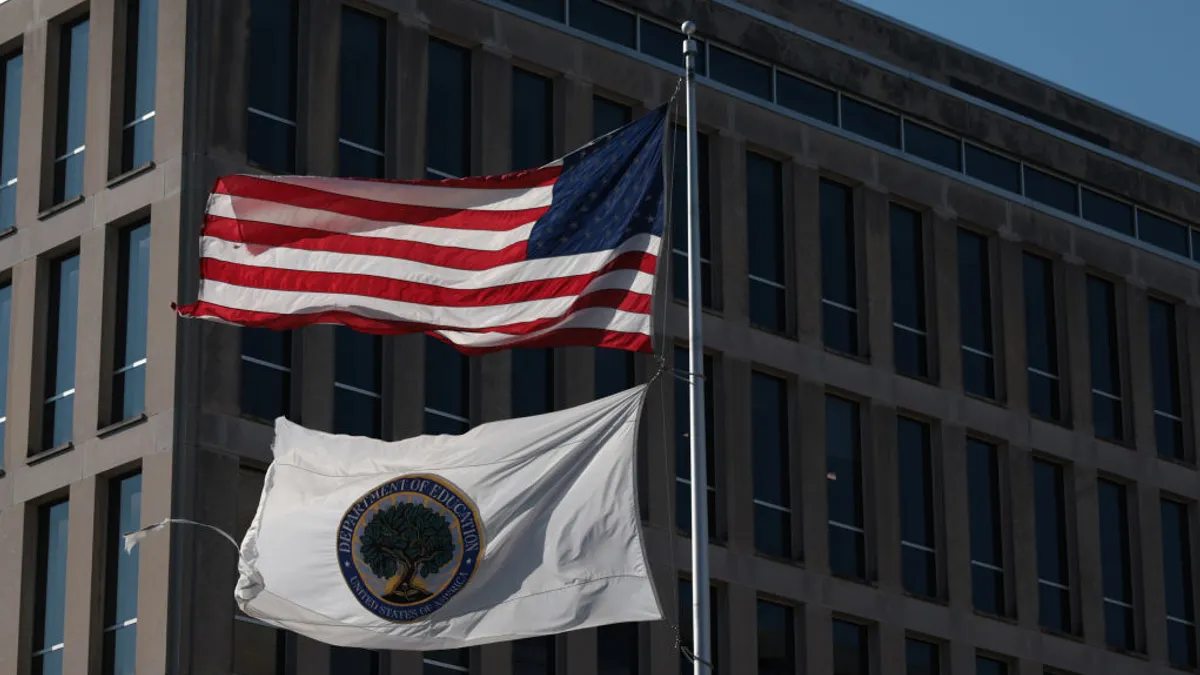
[(608, 191)]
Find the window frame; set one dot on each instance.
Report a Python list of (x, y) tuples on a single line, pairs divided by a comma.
[(936, 499), (1002, 507), (1120, 336), (864, 530), (1181, 382), (994, 330), (125, 73), (1057, 288), (928, 289), (851, 226), (786, 234)]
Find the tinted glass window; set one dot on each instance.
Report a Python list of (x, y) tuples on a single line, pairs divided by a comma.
[(987, 561), (917, 540), (772, 501), (10, 132), (986, 666), (685, 626), (1110, 213), (992, 168), (975, 314), (141, 59), (533, 656), (617, 649), (1051, 190), (1041, 338), (1164, 360), (1106, 371), (121, 584), (1054, 579), (870, 122), (922, 658), (739, 72), (666, 44), (50, 620), (1161, 232), (839, 283), (1177, 582), (448, 139), (266, 373), (764, 220), (850, 656), (1115, 565), (843, 461), (806, 98), (5, 336), (271, 125), (933, 146), (447, 389), (679, 219), (605, 21), (362, 87), (133, 288), (358, 386), (447, 662), (58, 415), (614, 371), (608, 116), (551, 9), (72, 111), (356, 661), (683, 448), (532, 120), (776, 639), (908, 292), (532, 381)]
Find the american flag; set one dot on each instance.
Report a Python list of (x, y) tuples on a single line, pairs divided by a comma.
[(563, 254)]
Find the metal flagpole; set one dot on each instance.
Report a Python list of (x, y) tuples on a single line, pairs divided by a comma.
[(696, 429)]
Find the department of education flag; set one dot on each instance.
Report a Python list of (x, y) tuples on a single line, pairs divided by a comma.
[(514, 529), (560, 255)]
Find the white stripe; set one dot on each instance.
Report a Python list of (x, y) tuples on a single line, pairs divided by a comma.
[(481, 199), (603, 318), (423, 273), (462, 318), (245, 208)]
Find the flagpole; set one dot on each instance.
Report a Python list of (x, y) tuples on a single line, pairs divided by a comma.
[(696, 427)]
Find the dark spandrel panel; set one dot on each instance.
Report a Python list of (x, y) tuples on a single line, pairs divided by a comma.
[(921, 658), (1054, 608), (551, 9), (1163, 233), (919, 571), (1109, 418), (605, 21), (666, 44), (911, 353), (933, 146), (532, 120), (986, 666), (739, 72), (273, 57), (608, 115), (265, 392), (772, 532), (806, 98), (271, 144), (1118, 626), (987, 590), (979, 374), (992, 168), (776, 639), (362, 85), (1051, 190), (1181, 644), (1044, 397), (870, 122), (1107, 212), (448, 137), (850, 651)]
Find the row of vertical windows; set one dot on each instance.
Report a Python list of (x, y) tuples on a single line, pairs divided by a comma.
[(10, 116)]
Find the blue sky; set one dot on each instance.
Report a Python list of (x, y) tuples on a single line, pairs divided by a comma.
[(1139, 56)]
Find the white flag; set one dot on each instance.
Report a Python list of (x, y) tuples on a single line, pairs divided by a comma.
[(517, 528)]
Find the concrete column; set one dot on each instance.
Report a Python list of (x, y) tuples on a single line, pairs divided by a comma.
[(226, 95), (90, 384), (955, 505), (882, 498), (814, 510), (578, 653), (493, 659), (1145, 542), (1137, 373), (313, 364), (405, 364), (804, 219), (1088, 582), (818, 639), (154, 566), (161, 322), (738, 483), (944, 270), (220, 354), (740, 629), (402, 663), (101, 106), (312, 657), (210, 615), (659, 443), (875, 323), (24, 404), (1012, 381), (727, 169), (1077, 373), (18, 554), (890, 646), (318, 91), (81, 653), (170, 69), (664, 657), (408, 103), (1021, 538), (33, 123)]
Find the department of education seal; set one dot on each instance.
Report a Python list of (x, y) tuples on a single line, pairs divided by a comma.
[(408, 546)]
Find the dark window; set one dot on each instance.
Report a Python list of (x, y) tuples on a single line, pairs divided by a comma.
[(357, 383), (605, 21), (918, 540), (10, 134), (58, 414), (447, 388), (679, 219), (666, 44), (685, 626), (532, 381), (776, 639), (608, 116), (843, 466), (5, 337), (909, 337), (133, 290), (71, 117), (1107, 212), (771, 449), (1054, 576), (739, 72), (51, 605), (975, 312), (987, 549), (870, 122), (922, 658), (617, 649), (1177, 581), (1164, 359), (447, 662), (121, 587), (767, 243), (141, 61), (448, 123), (1106, 366), (932, 146), (1051, 190), (266, 389), (986, 666), (992, 168), (1115, 565), (353, 661), (1041, 338), (614, 371), (806, 98), (839, 274), (1161, 232), (362, 88), (551, 9), (851, 655), (533, 656), (271, 115), (532, 120), (683, 447), (1196, 245)]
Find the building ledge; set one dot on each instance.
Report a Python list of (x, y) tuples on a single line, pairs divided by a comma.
[(44, 455), (59, 207), (8, 231), (130, 174), (123, 424)]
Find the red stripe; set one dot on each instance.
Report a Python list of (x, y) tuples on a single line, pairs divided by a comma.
[(268, 235), (559, 338), (287, 195)]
